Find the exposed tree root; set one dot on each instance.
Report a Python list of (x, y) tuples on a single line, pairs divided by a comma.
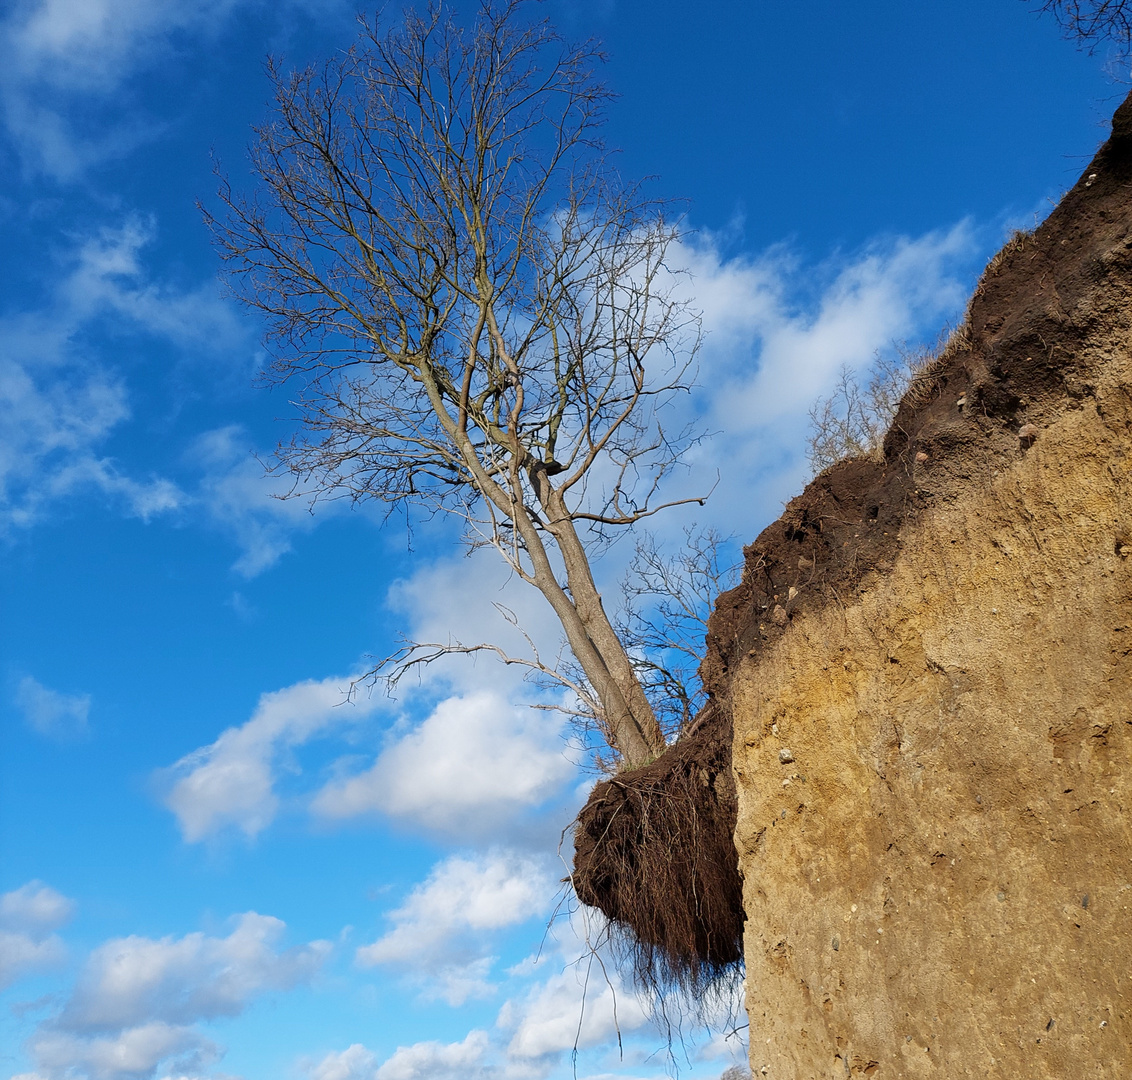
[(654, 851)]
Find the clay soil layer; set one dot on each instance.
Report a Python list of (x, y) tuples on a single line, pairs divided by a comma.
[(929, 670)]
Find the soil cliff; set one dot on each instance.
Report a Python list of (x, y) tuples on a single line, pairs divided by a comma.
[(928, 669)]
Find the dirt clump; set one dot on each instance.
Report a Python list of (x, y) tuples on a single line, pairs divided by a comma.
[(1021, 356), (932, 741)]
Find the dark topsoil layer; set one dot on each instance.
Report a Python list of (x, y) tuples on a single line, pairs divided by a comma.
[(653, 847)]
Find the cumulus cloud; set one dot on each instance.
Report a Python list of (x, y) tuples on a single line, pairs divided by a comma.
[(47, 712), (445, 923), (420, 1061), (891, 291), (436, 1061), (28, 917), (133, 1054), (22, 954), (232, 782), (35, 905), (135, 980), (473, 762), (562, 1000), (353, 1063), (136, 1000), (573, 1007), (471, 767), (453, 599)]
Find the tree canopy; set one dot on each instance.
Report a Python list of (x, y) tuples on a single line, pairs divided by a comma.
[(474, 312)]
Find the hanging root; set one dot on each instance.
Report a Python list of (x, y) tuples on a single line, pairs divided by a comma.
[(654, 850)]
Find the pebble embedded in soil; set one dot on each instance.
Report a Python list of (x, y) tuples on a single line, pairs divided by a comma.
[(785, 756)]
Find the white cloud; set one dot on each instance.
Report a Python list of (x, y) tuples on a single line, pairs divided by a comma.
[(135, 980), (231, 782), (65, 66), (132, 1054), (28, 915), (353, 1063), (489, 893), (35, 906), (50, 713), (888, 293), (61, 405), (454, 599), (470, 767), (55, 420), (575, 1007), (582, 1003), (136, 1000), (443, 926), (90, 44), (777, 334), (474, 762), (243, 500), (22, 954), (110, 277), (437, 1061), (59, 58)]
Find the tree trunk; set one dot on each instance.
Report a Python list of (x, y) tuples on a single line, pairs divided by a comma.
[(599, 630)]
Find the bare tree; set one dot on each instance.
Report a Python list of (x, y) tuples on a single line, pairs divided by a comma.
[(1093, 21), (666, 601), (477, 314), (854, 419)]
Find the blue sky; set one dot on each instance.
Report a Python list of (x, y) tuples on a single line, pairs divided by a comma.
[(210, 866)]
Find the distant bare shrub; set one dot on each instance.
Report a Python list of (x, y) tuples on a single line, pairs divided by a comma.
[(736, 1072), (853, 420)]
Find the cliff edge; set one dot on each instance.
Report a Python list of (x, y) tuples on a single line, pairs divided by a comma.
[(928, 669)]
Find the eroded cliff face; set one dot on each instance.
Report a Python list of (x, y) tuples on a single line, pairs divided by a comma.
[(929, 670)]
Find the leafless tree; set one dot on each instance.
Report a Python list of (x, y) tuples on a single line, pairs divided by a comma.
[(666, 601), (854, 419), (1093, 21), (476, 314)]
